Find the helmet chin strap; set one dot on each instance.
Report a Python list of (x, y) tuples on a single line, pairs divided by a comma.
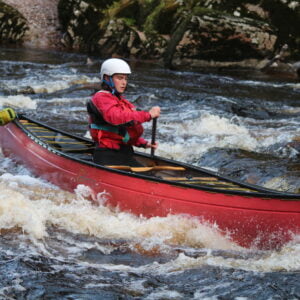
[(111, 84)]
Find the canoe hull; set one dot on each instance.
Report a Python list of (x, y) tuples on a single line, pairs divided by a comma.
[(250, 221)]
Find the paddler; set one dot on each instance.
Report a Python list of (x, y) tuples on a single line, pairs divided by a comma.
[(115, 124), (7, 115)]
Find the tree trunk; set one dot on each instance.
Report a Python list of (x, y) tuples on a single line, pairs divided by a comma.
[(175, 39)]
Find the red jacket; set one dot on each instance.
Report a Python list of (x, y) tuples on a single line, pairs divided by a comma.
[(117, 111)]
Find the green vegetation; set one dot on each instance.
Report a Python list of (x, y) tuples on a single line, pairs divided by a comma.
[(12, 24), (200, 29)]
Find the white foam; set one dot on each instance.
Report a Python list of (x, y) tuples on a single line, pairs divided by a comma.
[(63, 81), (19, 101), (162, 293), (50, 87), (33, 206), (268, 84), (48, 82), (24, 179), (17, 211), (286, 260), (46, 204), (63, 100), (195, 137)]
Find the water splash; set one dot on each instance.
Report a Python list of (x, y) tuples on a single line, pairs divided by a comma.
[(45, 204), (18, 101), (195, 137)]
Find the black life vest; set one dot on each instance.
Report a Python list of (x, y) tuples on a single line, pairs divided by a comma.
[(98, 122)]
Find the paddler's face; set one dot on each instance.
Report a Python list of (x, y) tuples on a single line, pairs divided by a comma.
[(120, 82)]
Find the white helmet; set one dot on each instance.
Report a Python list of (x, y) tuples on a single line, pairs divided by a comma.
[(113, 66)]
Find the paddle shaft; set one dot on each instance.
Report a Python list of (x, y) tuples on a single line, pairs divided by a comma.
[(153, 136)]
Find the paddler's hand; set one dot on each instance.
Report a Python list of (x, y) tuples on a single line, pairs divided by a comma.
[(149, 145), (7, 115), (154, 112)]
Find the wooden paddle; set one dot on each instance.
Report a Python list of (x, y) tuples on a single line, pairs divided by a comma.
[(145, 169), (153, 136)]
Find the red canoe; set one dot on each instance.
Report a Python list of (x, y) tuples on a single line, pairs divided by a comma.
[(253, 216)]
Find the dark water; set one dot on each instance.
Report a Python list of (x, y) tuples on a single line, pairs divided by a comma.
[(57, 245)]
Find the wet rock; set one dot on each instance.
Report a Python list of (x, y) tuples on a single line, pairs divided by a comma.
[(80, 24), (13, 25), (41, 18), (226, 38), (183, 31), (193, 33), (296, 67), (120, 40), (279, 64)]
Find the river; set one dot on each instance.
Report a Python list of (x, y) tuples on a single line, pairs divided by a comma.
[(58, 245)]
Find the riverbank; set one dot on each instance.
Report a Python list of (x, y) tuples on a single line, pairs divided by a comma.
[(174, 33)]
